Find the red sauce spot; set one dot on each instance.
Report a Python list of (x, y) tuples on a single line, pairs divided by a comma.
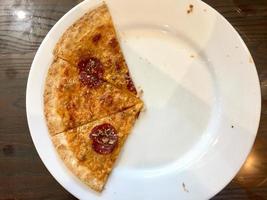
[(118, 65), (130, 84), (66, 72), (96, 38), (113, 43), (71, 119), (105, 138), (91, 72)]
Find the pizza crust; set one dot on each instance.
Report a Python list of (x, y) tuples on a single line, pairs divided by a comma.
[(81, 28), (70, 160), (53, 79)]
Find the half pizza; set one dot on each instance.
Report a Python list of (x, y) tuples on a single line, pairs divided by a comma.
[(90, 100), (91, 150)]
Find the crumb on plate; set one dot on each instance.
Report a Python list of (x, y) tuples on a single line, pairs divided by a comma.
[(184, 188), (190, 9)]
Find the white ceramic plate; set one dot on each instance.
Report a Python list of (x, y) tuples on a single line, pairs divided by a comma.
[(201, 92)]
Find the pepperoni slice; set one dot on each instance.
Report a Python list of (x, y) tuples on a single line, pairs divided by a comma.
[(89, 80), (91, 71), (102, 149), (105, 138), (92, 66)]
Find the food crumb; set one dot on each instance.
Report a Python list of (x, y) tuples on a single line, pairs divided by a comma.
[(232, 126), (192, 56), (184, 187), (190, 10), (143, 109), (140, 93)]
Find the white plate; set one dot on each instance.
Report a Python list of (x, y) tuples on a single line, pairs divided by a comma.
[(202, 97)]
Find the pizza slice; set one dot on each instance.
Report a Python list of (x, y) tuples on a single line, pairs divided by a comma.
[(79, 28), (74, 97), (91, 150), (99, 44)]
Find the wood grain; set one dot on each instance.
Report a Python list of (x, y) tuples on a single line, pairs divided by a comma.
[(22, 174)]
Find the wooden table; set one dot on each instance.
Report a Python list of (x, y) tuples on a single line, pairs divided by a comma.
[(24, 24)]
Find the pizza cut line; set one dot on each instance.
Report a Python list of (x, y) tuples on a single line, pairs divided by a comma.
[(73, 98), (90, 100), (91, 150)]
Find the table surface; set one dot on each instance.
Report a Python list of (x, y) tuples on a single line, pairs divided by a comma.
[(22, 173)]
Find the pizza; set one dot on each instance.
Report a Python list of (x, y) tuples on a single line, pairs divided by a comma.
[(71, 99), (90, 100), (98, 44), (90, 151)]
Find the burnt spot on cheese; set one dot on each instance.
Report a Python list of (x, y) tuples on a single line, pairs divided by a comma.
[(96, 38), (130, 84), (113, 43), (118, 65)]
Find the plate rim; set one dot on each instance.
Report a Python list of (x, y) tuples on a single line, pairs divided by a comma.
[(259, 99), (70, 13)]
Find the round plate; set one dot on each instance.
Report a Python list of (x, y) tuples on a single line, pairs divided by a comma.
[(201, 93)]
